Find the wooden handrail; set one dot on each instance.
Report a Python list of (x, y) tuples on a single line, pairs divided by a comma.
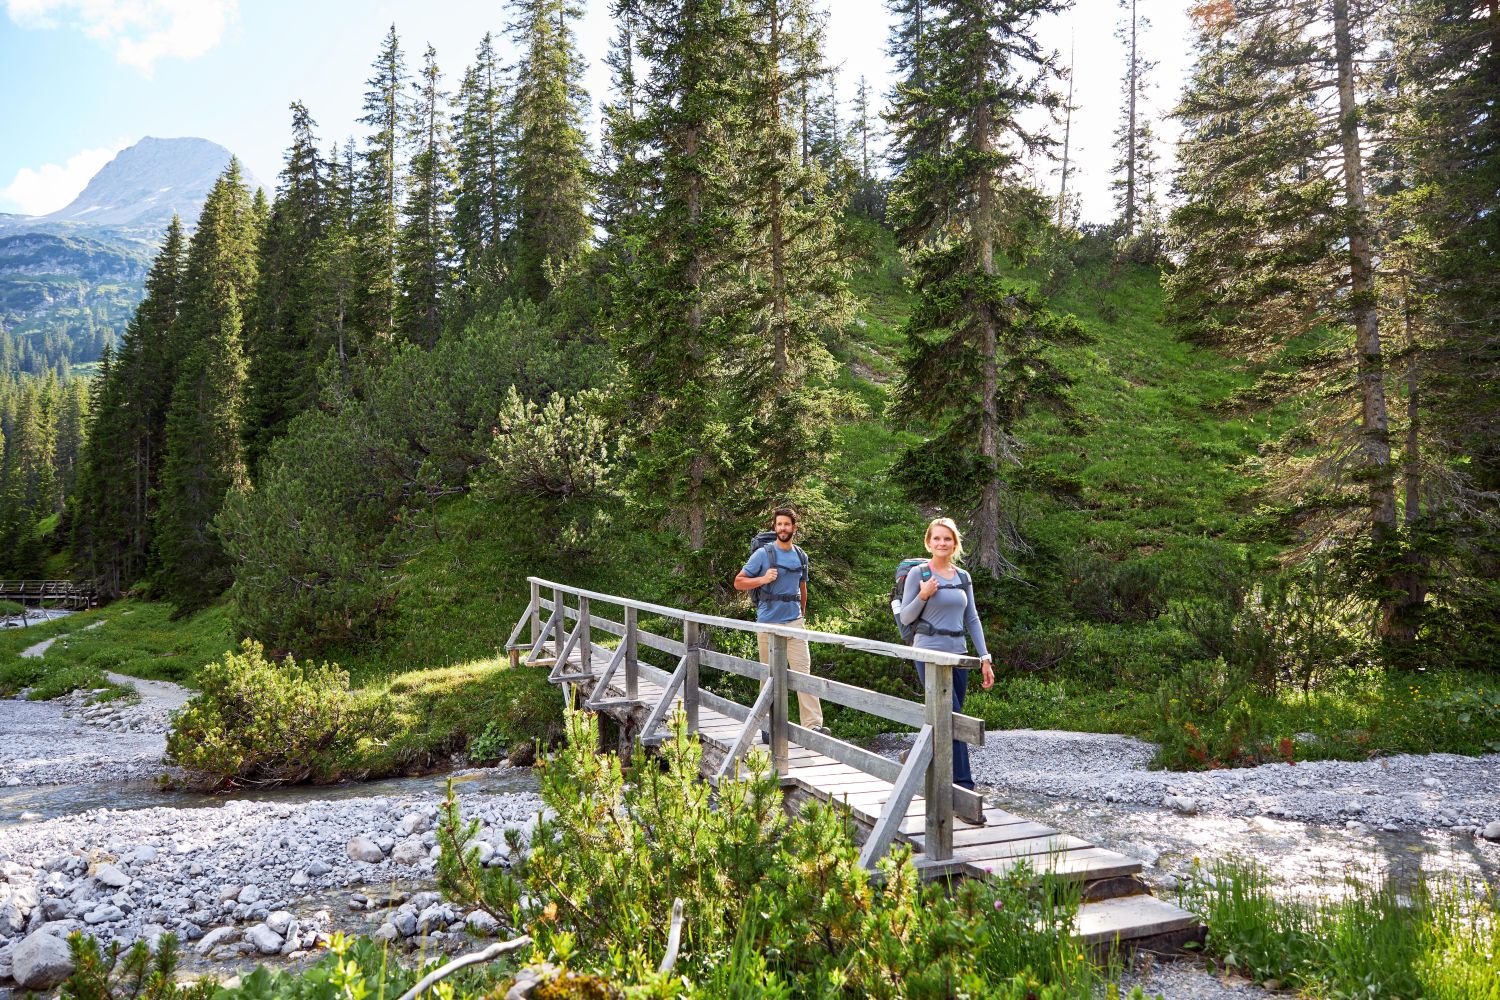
[(938, 725)]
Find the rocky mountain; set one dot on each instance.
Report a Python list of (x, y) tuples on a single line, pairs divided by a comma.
[(144, 185), (70, 280)]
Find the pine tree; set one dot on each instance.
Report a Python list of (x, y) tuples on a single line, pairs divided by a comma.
[(425, 251), (551, 158), (378, 193), (620, 197), (483, 199), (869, 197), (204, 452), (281, 336), (796, 260), (679, 338), (1278, 240), (976, 363), (1133, 136)]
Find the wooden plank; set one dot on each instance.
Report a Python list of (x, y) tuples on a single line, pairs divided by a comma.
[(780, 727), (885, 706), (1084, 863), (690, 692), (966, 803), (728, 663), (977, 836), (1127, 917), (938, 836), (992, 817), (541, 640), (608, 675), (1049, 843), (912, 774)]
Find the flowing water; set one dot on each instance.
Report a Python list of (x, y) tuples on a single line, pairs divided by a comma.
[(48, 801)]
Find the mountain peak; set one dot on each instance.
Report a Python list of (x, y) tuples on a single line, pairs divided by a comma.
[(146, 183)]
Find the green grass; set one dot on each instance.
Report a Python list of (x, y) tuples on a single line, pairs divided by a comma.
[(1439, 941)]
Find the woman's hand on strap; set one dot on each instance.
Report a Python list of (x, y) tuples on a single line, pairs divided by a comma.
[(928, 587), (987, 674)]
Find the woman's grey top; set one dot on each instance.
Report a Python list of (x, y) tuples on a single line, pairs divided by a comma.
[(951, 609)]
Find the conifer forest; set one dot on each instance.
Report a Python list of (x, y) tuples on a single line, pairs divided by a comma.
[(1226, 464)]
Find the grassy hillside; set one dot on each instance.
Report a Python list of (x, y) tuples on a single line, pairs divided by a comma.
[(1140, 514)]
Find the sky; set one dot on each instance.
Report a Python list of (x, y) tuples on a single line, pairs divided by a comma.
[(82, 79)]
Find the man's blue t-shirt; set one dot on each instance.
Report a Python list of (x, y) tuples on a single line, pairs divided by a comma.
[(785, 592)]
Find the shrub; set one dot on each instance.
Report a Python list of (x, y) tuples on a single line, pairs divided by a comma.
[(1204, 720), (100, 974), (1129, 591), (261, 722), (773, 906)]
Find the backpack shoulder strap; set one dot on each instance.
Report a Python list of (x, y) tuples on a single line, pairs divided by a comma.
[(803, 557)]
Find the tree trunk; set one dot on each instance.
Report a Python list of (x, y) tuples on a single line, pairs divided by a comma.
[(1375, 426), (1134, 81), (987, 522), (1062, 194), (778, 235), (693, 275)]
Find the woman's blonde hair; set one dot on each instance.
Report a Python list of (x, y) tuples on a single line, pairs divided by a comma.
[(958, 538)]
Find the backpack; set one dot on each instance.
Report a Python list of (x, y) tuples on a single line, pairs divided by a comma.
[(767, 540), (898, 592)]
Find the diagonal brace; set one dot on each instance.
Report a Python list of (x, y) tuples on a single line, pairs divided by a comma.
[(747, 733), (660, 709), (913, 774)]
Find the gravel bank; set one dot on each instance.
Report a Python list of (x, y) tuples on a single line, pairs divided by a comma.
[(244, 879), (67, 741), (1404, 792)]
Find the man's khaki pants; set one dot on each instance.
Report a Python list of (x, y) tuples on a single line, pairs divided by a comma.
[(798, 658)]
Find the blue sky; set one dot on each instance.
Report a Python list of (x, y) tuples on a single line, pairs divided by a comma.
[(82, 79)]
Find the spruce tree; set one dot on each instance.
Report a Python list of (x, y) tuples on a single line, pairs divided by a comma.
[(797, 261), (551, 158), (204, 456), (1278, 240), (680, 340), (378, 193), (425, 251), (1133, 136), (619, 193), (281, 338), (977, 361), (483, 199)]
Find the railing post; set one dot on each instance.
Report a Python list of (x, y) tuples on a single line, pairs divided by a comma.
[(560, 628), (690, 678), (780, 762), (585, 637), (939, 791), (632, 671), (536, 613)]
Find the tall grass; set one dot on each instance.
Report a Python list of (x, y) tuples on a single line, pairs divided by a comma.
[(1437, 940)]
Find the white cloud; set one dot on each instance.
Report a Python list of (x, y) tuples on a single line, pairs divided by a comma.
[(52, 185), (139, 31)]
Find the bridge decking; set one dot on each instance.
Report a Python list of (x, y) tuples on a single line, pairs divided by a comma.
[(1117, 909)]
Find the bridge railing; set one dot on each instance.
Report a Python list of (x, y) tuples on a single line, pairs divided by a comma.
[(928, 765), (47, 590)]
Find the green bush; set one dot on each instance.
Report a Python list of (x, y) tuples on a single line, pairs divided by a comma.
[(1100, 590), (106, 974), (261, 722), (773, 906)]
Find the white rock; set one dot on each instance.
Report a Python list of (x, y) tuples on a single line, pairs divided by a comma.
[(319, 868), (300, 879), (280, 921), (1491, 830), (386, 932), (111, 876), (482, 923), (364, 849), (409, 851), (216, 937), (40, 962), (249, 894), (105, 913), (266, 941)]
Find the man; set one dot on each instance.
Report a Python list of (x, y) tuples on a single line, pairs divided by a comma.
[(781, 569)]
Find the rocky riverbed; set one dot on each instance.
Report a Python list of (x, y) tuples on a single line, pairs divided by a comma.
[(87, 844), (239, 881)]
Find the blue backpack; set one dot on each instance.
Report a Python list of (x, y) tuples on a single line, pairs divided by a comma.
[(766, 541), (898, 593)]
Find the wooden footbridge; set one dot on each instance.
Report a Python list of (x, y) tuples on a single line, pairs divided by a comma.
[(952, 831), (39, 592)]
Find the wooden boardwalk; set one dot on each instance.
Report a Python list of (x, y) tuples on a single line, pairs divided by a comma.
[(984, 843)]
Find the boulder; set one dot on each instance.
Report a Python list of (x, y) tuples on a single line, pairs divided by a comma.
[(40, 962), (249, 894), (216, 937), (364, 849), (111, 876), (482, 924), (409, 851), (280, 921), (385, 933), (1492, 830), (319, 868), (266, 941)]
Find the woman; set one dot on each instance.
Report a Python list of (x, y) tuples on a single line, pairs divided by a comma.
[(939, 602)]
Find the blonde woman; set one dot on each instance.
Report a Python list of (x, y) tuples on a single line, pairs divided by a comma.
[(939, 603)]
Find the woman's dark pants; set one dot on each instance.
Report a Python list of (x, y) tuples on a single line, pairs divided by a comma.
[(961, 773)]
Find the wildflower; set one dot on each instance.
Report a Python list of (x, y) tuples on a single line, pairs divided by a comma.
[(999, 906)]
